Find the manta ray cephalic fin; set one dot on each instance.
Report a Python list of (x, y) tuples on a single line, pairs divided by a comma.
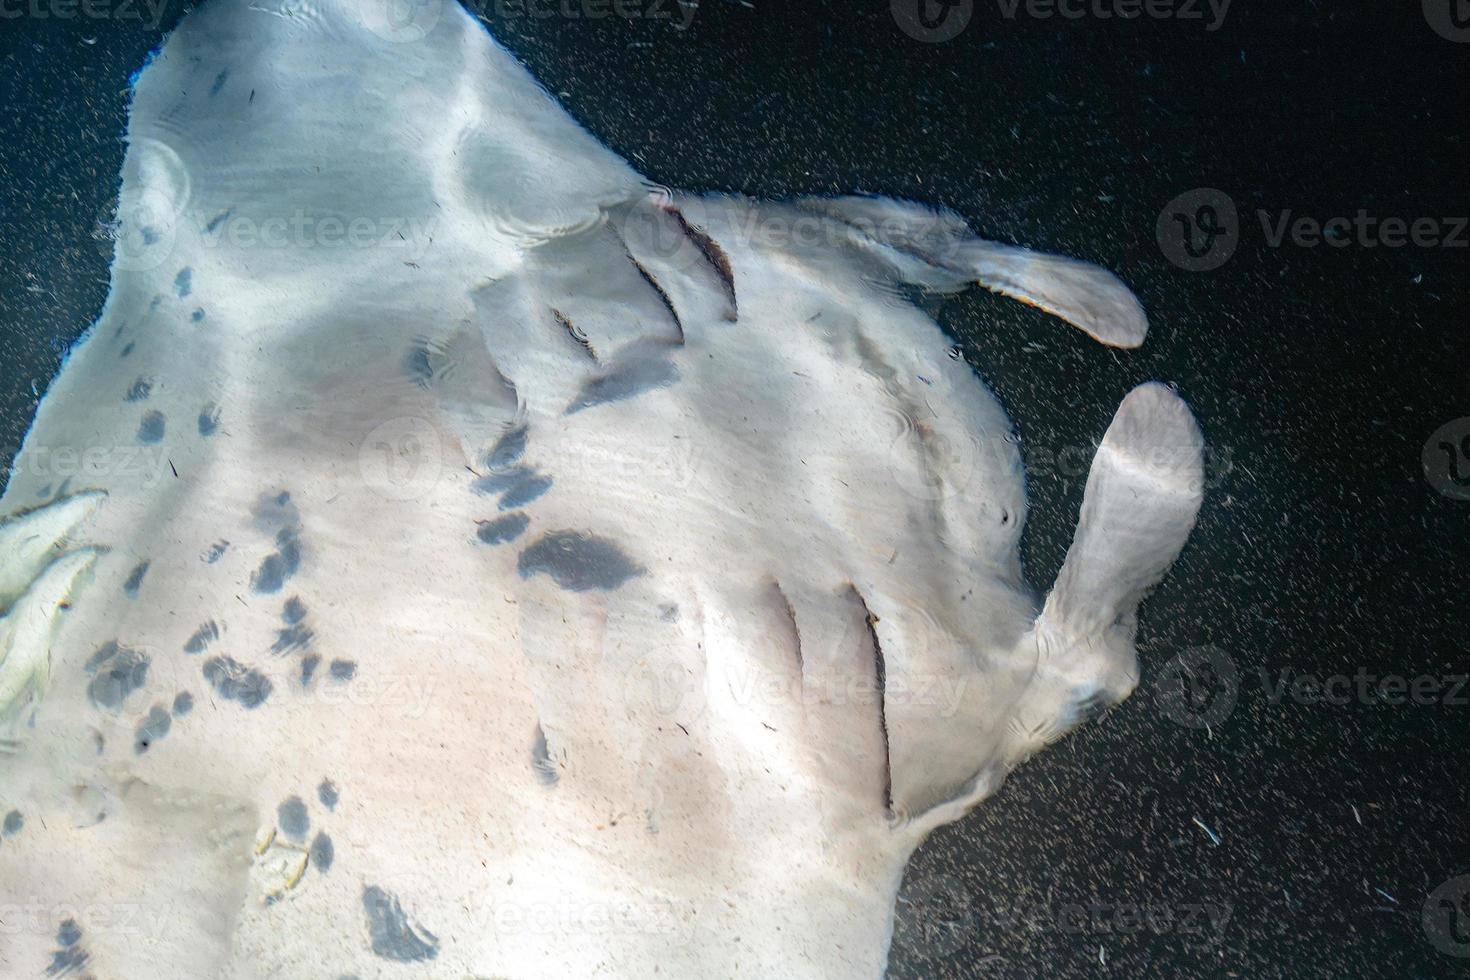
[(936, 249), (37, 578), (1143, 494)]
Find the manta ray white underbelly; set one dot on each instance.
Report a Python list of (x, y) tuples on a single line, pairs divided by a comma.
[(447, 557)]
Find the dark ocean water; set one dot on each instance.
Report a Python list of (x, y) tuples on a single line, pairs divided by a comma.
[(1318, 373)]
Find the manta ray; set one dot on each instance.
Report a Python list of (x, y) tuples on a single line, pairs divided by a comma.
[(451, 555)]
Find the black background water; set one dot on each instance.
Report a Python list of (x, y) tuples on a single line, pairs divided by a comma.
[(1318, 374)]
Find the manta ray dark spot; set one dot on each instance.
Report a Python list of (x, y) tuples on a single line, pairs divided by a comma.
[(640, 369), (503, 529), (578, 562), (155, 727), (327, 793), (127, 349), (309, 664), (393, 936), (183, 704), (196, 317), (184, 282), (202, 638), (209, 421), (134, 581), (342, 670), (280, 565), (517, 487), (419, 364), (152, 428), (219, 83), (292, 819), (294, 611), (13, 823), (68, 957), (508, 448), (140, 391), (530, 487), (322, 852), (116, 673), (232, 681), (274, 511), (297, 637)]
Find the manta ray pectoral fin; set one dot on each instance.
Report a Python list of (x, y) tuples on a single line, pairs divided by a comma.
[(936, 249)]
